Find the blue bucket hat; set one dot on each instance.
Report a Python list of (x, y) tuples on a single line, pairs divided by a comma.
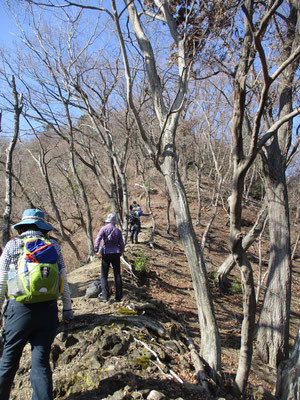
[(36, 217)]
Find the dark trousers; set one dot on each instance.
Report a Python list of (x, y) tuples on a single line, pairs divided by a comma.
[(36, 324), (114, 260), (134, 235)]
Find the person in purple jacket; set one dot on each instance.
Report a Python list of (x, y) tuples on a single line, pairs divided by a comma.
[(113, 247)]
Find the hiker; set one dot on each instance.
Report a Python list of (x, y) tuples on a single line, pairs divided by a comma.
[(33, 322), (135, 223), (134, 206), (112, 249)]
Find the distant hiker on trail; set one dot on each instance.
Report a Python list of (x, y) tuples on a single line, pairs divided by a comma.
[(111, 250), (31, 313), (134, 206), (135, 223)]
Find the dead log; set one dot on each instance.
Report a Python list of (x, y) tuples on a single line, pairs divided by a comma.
[(198, 365), (84, 321)]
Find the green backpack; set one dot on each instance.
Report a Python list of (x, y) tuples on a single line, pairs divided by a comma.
[(37, 277)]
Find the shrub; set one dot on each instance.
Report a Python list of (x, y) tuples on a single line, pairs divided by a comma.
[(140, 262), (236, 288)]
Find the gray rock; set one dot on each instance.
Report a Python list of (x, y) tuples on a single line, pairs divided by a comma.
[(94, 289), (155, 395)]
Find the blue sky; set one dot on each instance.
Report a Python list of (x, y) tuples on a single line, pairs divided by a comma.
[(7, 26), (8, 37)]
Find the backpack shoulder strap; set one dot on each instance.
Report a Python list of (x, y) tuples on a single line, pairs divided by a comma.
[(109, 236)]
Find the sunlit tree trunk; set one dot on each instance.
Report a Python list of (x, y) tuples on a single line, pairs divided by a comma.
[(240, 167), (18, 106), (165, 158), (273, 333)]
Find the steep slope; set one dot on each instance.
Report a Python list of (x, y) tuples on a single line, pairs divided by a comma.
[(127, 350)]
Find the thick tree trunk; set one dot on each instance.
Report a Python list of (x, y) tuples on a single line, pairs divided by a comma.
[(210, 341), (273, 334), (166, 161)]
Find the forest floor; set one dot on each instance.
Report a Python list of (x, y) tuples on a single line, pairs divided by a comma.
[(168, 279)]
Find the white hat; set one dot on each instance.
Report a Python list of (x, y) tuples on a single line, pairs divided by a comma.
[(112, 218)]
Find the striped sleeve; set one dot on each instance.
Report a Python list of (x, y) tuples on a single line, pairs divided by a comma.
[(66, 295), (9, 256)]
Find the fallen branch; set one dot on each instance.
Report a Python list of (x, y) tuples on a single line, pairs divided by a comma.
[(128, 267), (198, 365), (161, 366), (170, 374), (82, 321)]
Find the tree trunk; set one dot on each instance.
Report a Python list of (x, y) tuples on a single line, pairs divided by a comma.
[(247, 331), (166, 161), (248, 240), (273, 333), (88, 228), (240, 167), (199, 197), (8, 167), (210, 341), (288, 375)]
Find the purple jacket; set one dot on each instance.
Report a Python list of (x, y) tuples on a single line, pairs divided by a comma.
[(113, 245)]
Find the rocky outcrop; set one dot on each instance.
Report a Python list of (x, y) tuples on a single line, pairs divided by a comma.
[(136, 349)]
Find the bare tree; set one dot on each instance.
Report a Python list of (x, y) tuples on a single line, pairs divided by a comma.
[(273, 334), (42, 162), (252, 46), (18, 106), (71, 79), (252, 95), (165, 156)]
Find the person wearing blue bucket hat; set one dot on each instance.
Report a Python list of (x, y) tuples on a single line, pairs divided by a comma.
[(34, 217), (35, 323)]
